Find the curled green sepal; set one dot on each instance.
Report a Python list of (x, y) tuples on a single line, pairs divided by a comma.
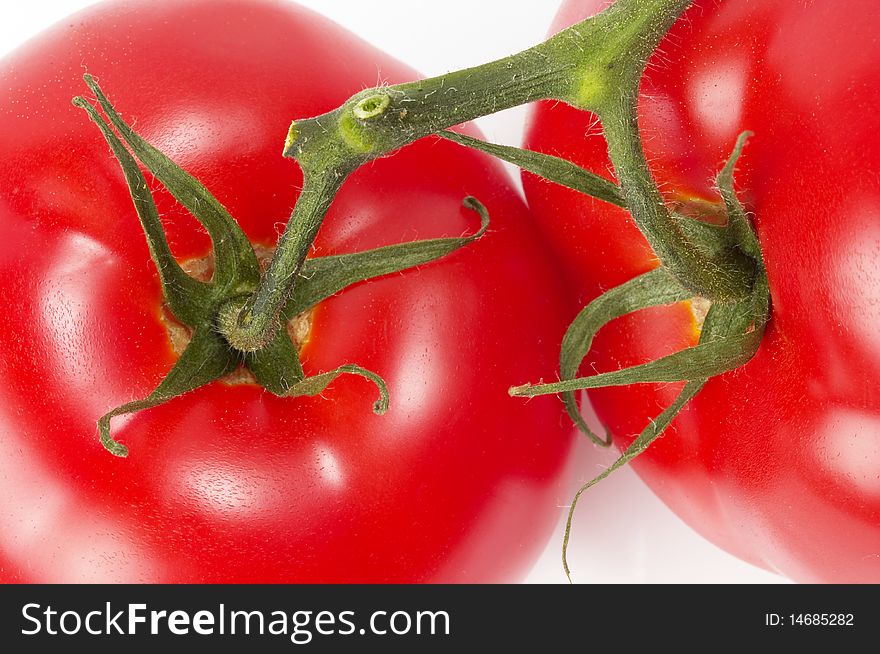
[(278, 369), (639, 445), (723, 322), (277, 366), (207, 357), (200, 305), (326, 276), (705, 360), (730, 336), (188, 299), (652, 288), (235, 264), (741, 232), (315, 384)]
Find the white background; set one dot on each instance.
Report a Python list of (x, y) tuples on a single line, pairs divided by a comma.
[(622, 533)]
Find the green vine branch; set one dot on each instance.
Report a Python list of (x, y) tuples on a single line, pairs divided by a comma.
[(596, 65)]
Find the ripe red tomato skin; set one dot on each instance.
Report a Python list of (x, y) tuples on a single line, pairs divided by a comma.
[(230, 484), (776, 462)]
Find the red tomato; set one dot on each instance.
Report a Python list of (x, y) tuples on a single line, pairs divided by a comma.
[(457, 482), (778, 461)]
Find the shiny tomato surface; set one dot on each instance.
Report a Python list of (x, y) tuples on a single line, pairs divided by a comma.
[(456, 483), (779, 461)]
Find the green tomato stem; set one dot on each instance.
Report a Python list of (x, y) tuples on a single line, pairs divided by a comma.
[(249, 324)]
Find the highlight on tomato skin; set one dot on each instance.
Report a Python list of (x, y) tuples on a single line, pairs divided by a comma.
[(775, 462), (228, 483)]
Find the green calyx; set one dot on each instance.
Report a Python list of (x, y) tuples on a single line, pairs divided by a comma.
[(208, 307), (729, 337)]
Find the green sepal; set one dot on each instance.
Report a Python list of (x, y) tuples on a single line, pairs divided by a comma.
[(316, 384), (188, 299), (278, 369), (699, 362), (655, 427), (206, 358), (741, 230), (235, 264), (725, 325), (276, 366), (558, 170), (653, 288), (323, 277)]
